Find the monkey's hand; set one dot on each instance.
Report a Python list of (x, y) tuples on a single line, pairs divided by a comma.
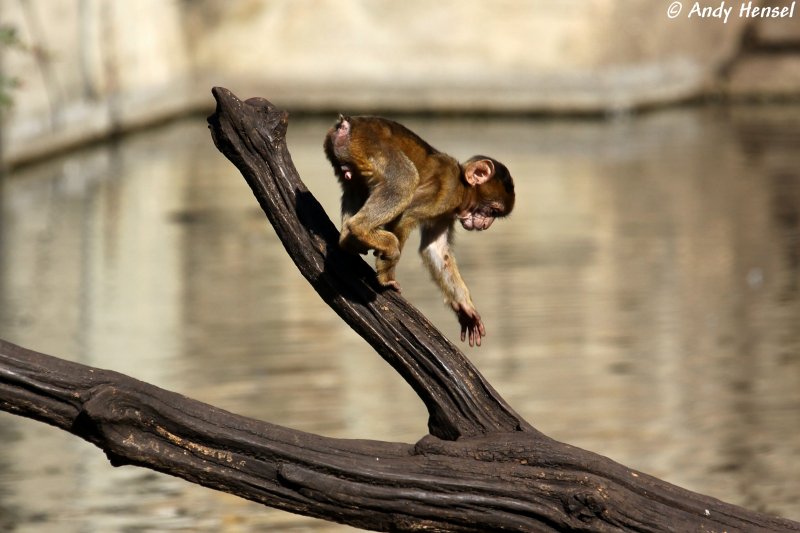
[(471, 324)]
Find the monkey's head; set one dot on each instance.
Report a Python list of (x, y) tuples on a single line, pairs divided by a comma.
[(491, 193)]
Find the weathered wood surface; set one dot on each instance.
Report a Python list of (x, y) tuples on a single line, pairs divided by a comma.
[(482, 468)]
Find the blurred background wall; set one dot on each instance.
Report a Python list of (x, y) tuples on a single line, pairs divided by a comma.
[(84, 69)]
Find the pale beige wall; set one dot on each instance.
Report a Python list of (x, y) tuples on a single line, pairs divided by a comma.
[(562, 55), (109, 64), (90, 67)]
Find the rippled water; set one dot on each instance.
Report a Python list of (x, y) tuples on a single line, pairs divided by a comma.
[(642, 302)]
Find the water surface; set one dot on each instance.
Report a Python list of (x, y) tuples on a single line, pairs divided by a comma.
[(642, 302)]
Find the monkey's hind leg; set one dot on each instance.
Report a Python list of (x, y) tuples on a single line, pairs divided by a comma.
[(365, 231), (397, 181), (400, 228), (362, 227)]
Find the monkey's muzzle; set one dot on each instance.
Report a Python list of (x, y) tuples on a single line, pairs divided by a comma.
[(475, 222)]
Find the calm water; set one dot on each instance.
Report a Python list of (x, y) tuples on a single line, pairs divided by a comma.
[(642, 302)]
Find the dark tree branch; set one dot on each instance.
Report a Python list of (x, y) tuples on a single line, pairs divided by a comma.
[(482, 468), (460, 402)]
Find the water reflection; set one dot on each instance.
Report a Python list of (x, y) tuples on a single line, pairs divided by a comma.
[(642, 302)]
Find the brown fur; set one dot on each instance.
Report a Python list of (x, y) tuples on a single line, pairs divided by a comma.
[(393, 181)]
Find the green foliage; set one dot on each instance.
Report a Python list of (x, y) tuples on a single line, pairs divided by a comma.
[(9, 38)]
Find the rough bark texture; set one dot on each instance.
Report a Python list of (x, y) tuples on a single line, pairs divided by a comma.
[(482, 468)]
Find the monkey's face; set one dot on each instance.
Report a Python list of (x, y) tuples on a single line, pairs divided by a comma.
[(490, 200), (492, 193)]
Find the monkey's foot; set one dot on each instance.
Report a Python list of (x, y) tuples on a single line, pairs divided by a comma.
[(391, 284)]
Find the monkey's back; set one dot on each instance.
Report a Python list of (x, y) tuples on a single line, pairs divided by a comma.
[(368, 130), (376, 136)]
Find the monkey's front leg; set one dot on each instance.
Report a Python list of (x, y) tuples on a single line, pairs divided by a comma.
[(437, 256)]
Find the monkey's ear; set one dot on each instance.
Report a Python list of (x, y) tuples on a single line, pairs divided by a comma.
[(478, 172)]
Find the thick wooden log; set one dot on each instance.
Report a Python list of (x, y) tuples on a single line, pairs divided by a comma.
[(482, 468), (518, 481)]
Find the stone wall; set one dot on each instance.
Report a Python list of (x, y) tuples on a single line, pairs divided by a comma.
[(549, 55), (89, 68), (769, 66), (93, 67)]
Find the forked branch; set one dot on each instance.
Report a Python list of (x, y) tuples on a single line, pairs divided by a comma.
[(460, 402)]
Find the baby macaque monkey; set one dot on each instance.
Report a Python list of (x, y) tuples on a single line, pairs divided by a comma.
[(393, 181)]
